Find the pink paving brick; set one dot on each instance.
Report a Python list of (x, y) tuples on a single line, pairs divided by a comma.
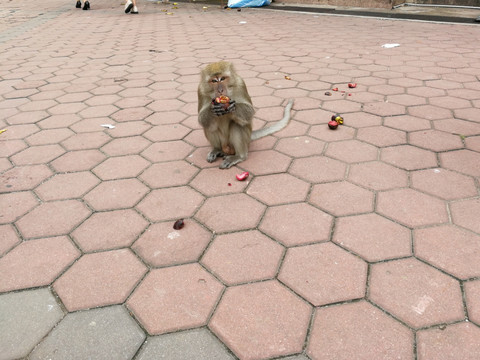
[(78, 160), (464, 161), (67, 186), (454, 250), (283, 328), (278, 189), (457, 341), (314, 271), (472, 296), (230, 213), (377, 175), (444, 183), (161, 245), (417, 294), (297, 224), (99, 279), (352, 151), (358, 331), (266, 162), (318, 169), (466, 214), (215, 182), (408, 157), (83, 141), (166, 151), (8, 238), (243, 257), (115, 194), (36, 263), (37, 155), (412, 208), (373, 237), (341, 198), (162, 306), (52, 218), (121, 167), (109, 230), (14, 205), (173, 173)]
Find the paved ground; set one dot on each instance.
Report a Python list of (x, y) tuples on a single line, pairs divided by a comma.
[(358, 243)]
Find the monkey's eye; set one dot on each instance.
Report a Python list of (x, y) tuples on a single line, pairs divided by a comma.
[(214, 80), (223, 78)]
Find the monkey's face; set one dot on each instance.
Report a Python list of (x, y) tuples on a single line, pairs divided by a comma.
[(219, 84)]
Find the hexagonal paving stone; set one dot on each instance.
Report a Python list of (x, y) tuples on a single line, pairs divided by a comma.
[(456, 126), (457, 341), (278, 189), (283, 328), (109, 230), (451, 249), (170, 203), (314, 272), (429, 112), (161, 245), (352, 151), (115, 194), (126, 146), (230, 213), (381, 136), (296, 224), (444, 183), (466, 214), (300, 146), (384, 109), (464, 161), (407, 123), (243, 257), (215, 182), (342, 198), (120, 167), (31, 315), (110, 333), (67, 186), (373, 237), (88, 140), (412, 208), (23, 178), (167, 151), (377, 175), (435, 140), (166, 174), (50, 136), (36, 263), (409, 157), (8, 238), (162, 306), (197, 344), (53, 218), (265, 162), (473, 143), (416, 293), (14, 205), (472, 295), (317, 169), (167, 132), (78, 160), (323, 132), (99, 279), (358, 331)]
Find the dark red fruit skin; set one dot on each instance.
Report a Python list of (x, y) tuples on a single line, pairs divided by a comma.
[(332, 124), (179, 224), (352, 85)]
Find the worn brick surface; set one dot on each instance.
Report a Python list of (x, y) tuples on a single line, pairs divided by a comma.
[(359, 242)]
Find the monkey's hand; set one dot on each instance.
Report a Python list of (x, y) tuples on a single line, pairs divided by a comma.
[(221, 109)]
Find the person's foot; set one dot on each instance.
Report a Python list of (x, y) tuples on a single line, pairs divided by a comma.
[(134, 10), (86, 5), (78, 5), (128, 6)]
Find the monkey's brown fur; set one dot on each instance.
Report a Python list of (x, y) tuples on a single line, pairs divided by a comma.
[(229, 134)]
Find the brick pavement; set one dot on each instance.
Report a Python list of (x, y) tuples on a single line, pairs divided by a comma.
[(358, 243)]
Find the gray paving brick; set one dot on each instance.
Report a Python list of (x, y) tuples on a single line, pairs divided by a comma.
[(25, 318), (106, 333), (198, 344)]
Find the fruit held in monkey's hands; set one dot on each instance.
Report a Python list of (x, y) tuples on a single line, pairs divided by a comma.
[(222, 99)]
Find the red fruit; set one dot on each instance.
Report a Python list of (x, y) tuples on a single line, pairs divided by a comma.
[(332, 124), (242, 176), (222, 99), (352, 85), (335, 89), (179, 224)]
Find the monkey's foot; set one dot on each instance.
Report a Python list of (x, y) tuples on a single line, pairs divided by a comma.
[(214, 154), (229, 161)]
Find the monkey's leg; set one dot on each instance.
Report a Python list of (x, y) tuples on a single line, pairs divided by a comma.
[(240, 140), (215, 140)]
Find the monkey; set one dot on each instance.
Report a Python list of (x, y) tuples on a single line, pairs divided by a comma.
[(227, 124)]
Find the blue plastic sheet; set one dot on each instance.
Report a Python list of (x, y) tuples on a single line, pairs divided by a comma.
[(247, 3)]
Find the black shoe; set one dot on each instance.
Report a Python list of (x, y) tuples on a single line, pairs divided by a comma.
[(86, 5), (78, 5)]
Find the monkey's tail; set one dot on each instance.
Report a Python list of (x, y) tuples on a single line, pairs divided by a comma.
[(279, 125)]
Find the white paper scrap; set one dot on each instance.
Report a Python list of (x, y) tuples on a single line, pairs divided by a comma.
[(389, 46), (108, 126)]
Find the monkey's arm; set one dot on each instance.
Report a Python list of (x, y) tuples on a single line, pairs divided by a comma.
[(243, 114)]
